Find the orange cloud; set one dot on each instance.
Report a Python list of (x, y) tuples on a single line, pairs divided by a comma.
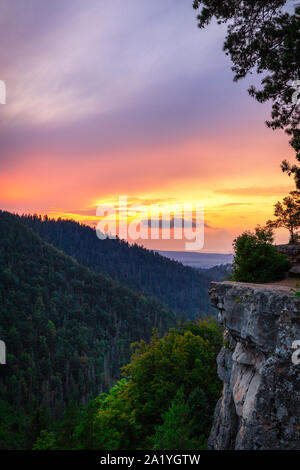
[(221, 174), (256, 191)]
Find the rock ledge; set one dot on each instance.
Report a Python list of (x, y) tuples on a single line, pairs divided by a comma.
[(260, 404)]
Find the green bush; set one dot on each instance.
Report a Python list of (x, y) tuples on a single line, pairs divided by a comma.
[(256, 259)]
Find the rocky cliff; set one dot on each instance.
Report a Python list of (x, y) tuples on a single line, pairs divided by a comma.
[(260, 404)]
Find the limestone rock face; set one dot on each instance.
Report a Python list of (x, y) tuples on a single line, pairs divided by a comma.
[(295, 270), (260, 404), (292, 250)]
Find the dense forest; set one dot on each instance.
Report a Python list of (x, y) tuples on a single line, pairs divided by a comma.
[(67, 331), (165, 401), (181, 288)]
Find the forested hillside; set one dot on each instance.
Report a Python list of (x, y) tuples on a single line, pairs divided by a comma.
[(181, 288), (218, 273), (165, 401), (67, 329)]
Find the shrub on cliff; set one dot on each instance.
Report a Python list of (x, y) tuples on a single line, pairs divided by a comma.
[(256, 259)]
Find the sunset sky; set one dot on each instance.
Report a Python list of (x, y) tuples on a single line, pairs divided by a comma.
[(109, 98)]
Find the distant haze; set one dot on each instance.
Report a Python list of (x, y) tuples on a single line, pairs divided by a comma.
[(198, 260)]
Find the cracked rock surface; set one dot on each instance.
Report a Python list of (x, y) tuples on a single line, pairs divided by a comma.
[(260, 403)]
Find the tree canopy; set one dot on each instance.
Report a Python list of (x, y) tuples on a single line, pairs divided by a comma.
[(263, 36), (166, 399), (287, 215), (67, 331), (181, 288)]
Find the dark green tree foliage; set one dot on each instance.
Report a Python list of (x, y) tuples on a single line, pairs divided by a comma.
[(67, 426), (264, 36), (67, 330), (293, 169), (166, 399), (177, 427), (38, 421), (13, 427), (256, 259), (287, 215), (179, 287)]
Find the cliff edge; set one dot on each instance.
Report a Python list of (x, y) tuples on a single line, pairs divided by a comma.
[(260, 403)]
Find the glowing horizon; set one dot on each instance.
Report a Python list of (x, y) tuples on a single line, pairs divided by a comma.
[(107, 99)]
